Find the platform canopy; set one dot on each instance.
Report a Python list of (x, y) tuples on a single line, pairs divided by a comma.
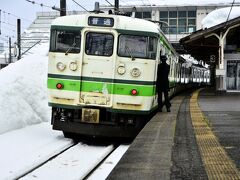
[(204, 44)]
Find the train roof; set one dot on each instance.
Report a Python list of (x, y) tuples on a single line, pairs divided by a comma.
[(123, 22)]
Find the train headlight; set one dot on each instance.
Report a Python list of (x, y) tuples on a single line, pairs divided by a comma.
[(61, 66), (135, 72), (121, 69), (73, 66)]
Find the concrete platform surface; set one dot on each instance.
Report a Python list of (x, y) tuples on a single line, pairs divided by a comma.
[(175, 145), (149, 156)]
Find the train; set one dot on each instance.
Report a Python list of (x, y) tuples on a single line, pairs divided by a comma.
[(102, 74)]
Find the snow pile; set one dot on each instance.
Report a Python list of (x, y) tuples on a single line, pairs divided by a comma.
[(219, 16), (189, 58), (23, 92)]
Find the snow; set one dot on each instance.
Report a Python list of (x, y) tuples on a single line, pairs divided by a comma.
[(107, 166), (219, 16), (26, 137), (177, 3), (75, 163), (189, 58), (23, 92), (28, 147)]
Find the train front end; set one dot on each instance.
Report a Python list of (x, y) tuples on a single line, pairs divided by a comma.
[(98, 86)]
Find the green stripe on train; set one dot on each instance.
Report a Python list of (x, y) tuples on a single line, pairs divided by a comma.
[(111, 88), (96, 79)]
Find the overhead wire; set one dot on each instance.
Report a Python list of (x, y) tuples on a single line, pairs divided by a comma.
[(10, 29), (16, 16), (109, 3), (143, 2), (230, 10), (124, 2), (8, 35), (44, 5), (86, 3), (2, 38), (7, 23), (40, 4), (80, 5)]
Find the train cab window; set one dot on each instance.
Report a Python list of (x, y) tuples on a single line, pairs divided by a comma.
[(137, 46), (99, 44), (67, 41)]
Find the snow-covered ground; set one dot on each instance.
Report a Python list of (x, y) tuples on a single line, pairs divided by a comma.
[(23, 92), (28, 147), (75, 163), (26, 136)]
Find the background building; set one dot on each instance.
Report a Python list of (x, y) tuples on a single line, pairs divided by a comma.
[(176, 21), (1, 47), (219, 46)]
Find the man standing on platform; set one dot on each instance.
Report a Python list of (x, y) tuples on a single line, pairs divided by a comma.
[(163, 84)]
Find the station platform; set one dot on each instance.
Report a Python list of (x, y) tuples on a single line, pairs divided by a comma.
[(198, 139)]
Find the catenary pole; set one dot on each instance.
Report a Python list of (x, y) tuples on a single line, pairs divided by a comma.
[(10, 53), (116, 6), (19, 38), (63, 8)]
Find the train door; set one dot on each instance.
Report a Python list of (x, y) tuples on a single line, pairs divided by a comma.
[(232, 77), (97, 68), (238, 76)]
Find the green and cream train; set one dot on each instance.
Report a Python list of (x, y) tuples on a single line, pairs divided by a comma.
[(102, 73)]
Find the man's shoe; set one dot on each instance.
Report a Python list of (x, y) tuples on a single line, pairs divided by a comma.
[(168, 110)]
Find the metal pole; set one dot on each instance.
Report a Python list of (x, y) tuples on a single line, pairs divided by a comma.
[(116, 6), (19, 38), (10, 53), (0, 21), (63, 8)]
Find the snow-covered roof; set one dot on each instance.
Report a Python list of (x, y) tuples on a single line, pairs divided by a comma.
[(176, 3), (219, 16)]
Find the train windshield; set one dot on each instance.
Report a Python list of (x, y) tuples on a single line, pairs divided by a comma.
[(137, 46), (99, 44), (66, 41)]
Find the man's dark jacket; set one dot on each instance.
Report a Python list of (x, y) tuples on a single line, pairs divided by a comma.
[(162, 77)]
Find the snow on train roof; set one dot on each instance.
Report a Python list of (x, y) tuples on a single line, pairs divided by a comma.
[(120, 22)]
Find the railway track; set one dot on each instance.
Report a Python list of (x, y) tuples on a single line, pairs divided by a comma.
[(78, 161)]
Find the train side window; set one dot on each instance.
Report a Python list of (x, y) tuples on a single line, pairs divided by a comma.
[(65, 41), (152, 48), (99, 44), (137, 46)]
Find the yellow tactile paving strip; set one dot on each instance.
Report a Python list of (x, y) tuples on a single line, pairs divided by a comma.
[(216, 161)]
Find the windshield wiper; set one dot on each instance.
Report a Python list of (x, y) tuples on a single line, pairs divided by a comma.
[(130, 53), (70, 48)]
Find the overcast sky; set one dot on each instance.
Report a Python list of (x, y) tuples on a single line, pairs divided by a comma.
[(26, 11)]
